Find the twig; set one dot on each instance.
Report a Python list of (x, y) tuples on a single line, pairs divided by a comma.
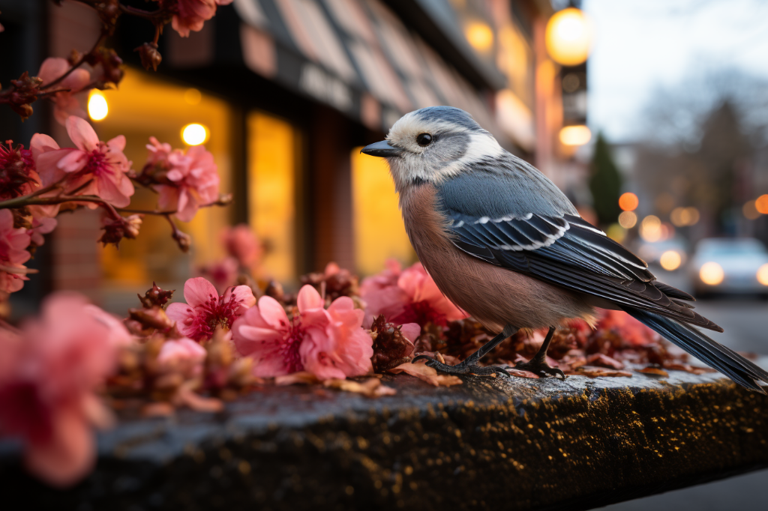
[(79, 63)]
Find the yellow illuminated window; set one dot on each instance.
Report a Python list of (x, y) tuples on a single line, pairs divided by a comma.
[(272, 164), (146, 106), (379, 230)]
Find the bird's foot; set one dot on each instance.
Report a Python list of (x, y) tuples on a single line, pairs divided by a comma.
[(540, 367), (460, 368)]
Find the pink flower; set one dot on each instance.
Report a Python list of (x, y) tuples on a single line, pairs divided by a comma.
[(410, 296), (328, 343), (242, 244), (189, 180), (118, 334), (205, 309), (192, 14), (13, 253), (222, 273), (47, 394), (66, 103), (96, 166), (40, 226), (183, 355)]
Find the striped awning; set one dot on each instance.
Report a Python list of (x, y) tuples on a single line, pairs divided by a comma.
[(354, 55)]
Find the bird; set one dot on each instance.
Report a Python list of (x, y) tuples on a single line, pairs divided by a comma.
[(505, 244)]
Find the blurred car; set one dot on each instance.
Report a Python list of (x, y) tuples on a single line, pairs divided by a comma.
[(730, 265), (670, 254)]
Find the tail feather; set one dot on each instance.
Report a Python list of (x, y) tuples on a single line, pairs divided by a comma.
[(712, 353)]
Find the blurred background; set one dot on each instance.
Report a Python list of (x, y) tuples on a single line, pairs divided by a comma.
[(652, 116)]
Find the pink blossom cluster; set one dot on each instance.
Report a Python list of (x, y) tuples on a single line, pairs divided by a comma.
[(50, 372), (66, 102), (407, 296), (243, 256), (185, 181), (192, 14), (329, 343)]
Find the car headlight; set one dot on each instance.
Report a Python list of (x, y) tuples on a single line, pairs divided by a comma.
[(670, 260), (762, 274), (712, 274)]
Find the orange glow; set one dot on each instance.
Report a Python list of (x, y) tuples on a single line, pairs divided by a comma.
[(628, 201), (569, 37), (762, 275), (479, 35), (379, 230), (761, 204), (650, 229), (575, 135), (711, 274), (627, 219), (750, 210)]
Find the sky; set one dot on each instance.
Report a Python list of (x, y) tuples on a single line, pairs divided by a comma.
[(641, 45)]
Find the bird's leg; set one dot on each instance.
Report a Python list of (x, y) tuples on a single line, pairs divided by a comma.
[(469, 365), (538, 364)]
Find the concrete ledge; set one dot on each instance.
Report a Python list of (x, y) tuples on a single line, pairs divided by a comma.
[(516, 444)]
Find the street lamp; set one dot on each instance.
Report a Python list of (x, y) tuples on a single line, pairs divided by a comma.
[(569, 37)]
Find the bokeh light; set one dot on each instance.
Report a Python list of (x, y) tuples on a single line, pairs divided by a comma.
[(575, 135), (569, 37), (682, 217), (650, 228), (627, 219), (97, 106), (750, 210), (711, 273), (670, 260), (628, 201), (194, 134), (616, 232), (762, 275), (479, 35), (761, 204)]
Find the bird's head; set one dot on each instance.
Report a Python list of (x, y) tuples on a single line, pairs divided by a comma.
[(434, 144)]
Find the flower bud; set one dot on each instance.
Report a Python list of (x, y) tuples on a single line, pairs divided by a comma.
[(150, 56)]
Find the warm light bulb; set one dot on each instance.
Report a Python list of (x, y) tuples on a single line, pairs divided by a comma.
[(97, 106), (194, 134), (711, 273), (762, 275), (575, 135), (480, 36), (628, 201), (569, 37), (670, 260)]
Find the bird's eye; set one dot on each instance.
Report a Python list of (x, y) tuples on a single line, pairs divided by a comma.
[(424, 139)]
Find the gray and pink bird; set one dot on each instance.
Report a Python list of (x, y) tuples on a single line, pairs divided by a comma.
[(507, 246)]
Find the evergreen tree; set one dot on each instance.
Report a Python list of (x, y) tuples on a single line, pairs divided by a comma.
[(605, 183)]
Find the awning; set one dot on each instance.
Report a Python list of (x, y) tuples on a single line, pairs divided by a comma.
[(356, 56)]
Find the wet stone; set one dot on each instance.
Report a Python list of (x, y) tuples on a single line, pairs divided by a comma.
[(506, 443)]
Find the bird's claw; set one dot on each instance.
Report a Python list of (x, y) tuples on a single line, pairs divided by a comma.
[(540, 368), (461, 368)]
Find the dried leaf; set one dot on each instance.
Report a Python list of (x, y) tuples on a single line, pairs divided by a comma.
[(654, 370), (371, 387), (688, 368), (597, 372), (520, 373), (301, 378), (426, 373), (601, 360)]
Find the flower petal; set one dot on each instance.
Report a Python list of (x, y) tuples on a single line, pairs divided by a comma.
[(309, 299), (198, 291), (272, 312), (82, 134)]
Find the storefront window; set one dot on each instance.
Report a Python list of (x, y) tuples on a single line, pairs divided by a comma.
[(273, 160), (146, 106), (379, 230)]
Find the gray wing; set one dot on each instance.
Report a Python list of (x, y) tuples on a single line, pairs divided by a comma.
[(555, 245)]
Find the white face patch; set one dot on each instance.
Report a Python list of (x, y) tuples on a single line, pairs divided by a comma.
[(434, 163)]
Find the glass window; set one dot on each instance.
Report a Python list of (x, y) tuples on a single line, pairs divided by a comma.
[(379, 230), (273, 160), (147, 106)]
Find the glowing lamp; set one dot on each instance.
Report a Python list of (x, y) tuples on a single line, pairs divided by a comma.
[(569, 37), (711, 273), (628, 201), (670, 260), (194, 134), (761, 204), (575, 135), (479, 35), (97, 105), (762, 275)]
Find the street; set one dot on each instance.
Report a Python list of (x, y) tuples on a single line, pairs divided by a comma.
[(744, 320)]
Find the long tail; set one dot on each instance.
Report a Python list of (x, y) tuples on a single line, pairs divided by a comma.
[(712, 353)]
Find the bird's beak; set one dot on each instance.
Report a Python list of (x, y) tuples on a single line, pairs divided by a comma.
[(382, 149)]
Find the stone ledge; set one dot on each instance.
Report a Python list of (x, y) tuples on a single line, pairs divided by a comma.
[(520, 444)]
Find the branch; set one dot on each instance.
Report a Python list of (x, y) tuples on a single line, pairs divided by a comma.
[(79, 63)]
